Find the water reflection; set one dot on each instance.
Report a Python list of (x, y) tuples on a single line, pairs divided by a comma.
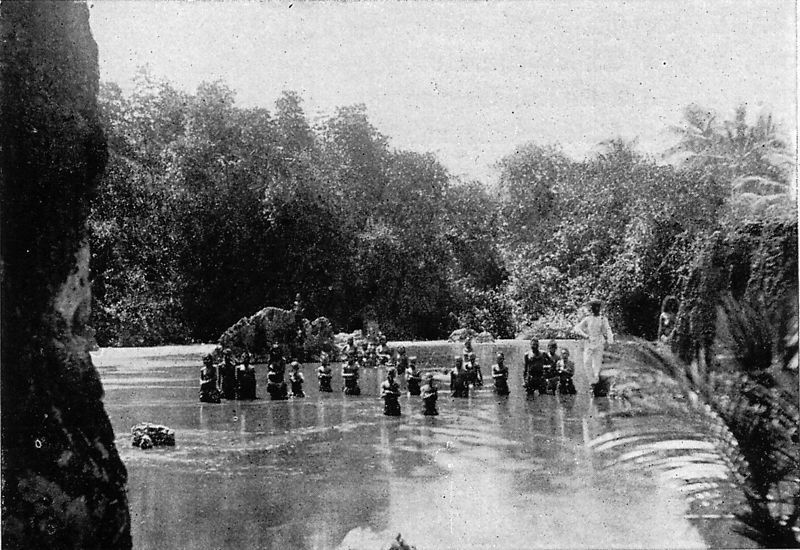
[(330, 470)]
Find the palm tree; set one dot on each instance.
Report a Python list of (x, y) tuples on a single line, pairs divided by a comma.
[(735, 427), (753, 158)]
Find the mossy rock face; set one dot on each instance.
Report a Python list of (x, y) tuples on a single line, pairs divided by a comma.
[(272, 325), (63, 480)]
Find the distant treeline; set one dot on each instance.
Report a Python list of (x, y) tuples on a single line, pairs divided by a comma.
[(209, 212)]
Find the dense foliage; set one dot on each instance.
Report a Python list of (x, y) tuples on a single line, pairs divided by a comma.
[(209, 212)]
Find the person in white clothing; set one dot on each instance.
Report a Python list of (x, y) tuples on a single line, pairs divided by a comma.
[(596, 330)]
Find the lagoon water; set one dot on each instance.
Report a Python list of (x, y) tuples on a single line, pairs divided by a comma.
[(330, 471)]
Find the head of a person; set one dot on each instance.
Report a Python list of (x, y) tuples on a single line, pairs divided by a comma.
[(324, 358), (350, 340), (500, 358), (429, 379), (595, 306), (246, 358), (535, 344), (565, 353), (208, 360), (227, 352), (295, 366), (275, 351), (468, 343), (552, 346), (458, 362), (382, 339), (471, 357), (391, 373), (351, 358), (401, 350), (412, 363)]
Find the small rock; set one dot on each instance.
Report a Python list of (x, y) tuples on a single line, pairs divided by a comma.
[(147, 435)]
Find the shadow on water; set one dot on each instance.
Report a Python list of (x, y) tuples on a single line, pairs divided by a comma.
[(331, 471)]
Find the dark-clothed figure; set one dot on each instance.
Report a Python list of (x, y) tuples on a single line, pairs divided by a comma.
[(533, 371), (390, 392), (296, 380), (276, 387), (429, 396), (325, 374), (413, 378), (350, 376), (473, 370), (383, 351), (402, 360), (349, 348), (227, 376), (245, 379), (209, 393), (277, 360), (500, 375), (566, 370), (459, 384), (467, 348), (550, 368)]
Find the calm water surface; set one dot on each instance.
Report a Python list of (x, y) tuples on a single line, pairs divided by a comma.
[(331, 471)]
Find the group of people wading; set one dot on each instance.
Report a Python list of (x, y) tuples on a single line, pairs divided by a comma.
[(231, 381), (545, 372)]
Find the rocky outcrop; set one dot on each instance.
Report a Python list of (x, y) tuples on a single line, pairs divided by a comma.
[(461, 334), (297, 337), (63, 480)]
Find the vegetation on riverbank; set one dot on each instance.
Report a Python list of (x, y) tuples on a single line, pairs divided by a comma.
[(209, 212)]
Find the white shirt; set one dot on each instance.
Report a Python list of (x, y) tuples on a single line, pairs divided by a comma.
[(596, 329)]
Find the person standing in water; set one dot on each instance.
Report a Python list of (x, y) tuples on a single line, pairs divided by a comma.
[(227, 375), (208, 381), (596, 330), (276, 387), (325, 374), (413, 378), (350, 376), (566, 370), (390, 393), (430, 394), (296, 380), (550, 368), (401, 360), (500, 375), (245, 379), (533, 370), (459, 384)]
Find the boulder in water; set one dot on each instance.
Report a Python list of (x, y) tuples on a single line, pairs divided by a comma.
[(259, 331), (461, 334), (147, 435)]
